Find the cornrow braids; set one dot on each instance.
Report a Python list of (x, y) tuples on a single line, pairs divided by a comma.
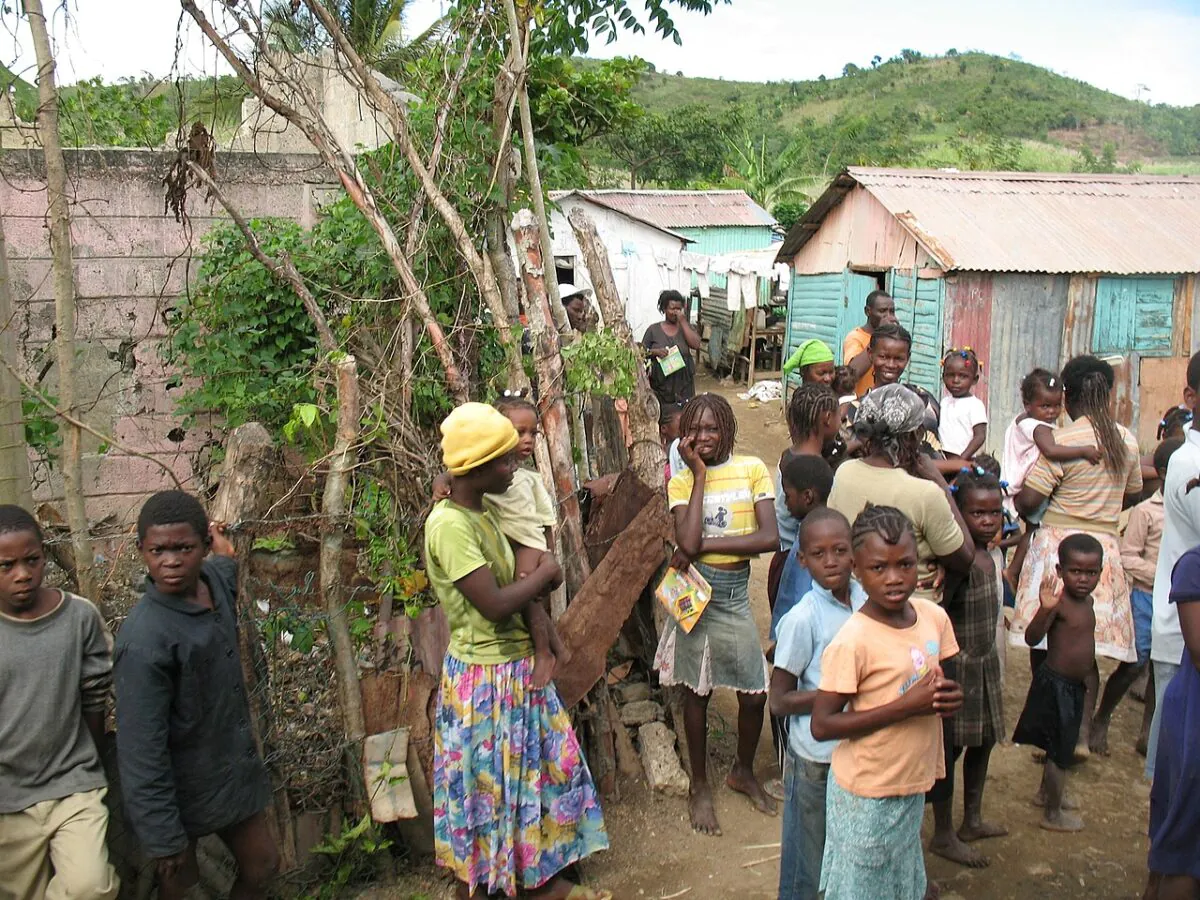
[(808, 403), (891, 331), (886, 521), (722, 414), (974, 478), (1088, 383)]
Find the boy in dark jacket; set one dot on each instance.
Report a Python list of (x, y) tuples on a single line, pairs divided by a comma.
[(188, 762)]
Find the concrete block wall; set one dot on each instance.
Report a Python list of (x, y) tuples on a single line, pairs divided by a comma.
[(132, 262)]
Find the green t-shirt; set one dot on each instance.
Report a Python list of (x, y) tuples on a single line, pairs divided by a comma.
[(457, 542)]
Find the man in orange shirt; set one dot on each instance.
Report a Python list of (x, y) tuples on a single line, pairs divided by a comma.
[(856, 351)]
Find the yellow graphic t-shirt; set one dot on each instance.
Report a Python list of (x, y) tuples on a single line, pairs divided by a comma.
[(731, 490)]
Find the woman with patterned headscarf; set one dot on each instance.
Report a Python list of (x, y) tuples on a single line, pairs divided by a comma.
[(893, 471)]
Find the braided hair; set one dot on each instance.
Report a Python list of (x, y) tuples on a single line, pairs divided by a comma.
[(722, 414), (510, 400), (1174, 422), (967, 353), (1088, 382), (892, 331), (886, 521), (808, 403), (975, 478)]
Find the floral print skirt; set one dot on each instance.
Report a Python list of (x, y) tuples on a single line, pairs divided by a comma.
[(514, 802), (1111, 601)]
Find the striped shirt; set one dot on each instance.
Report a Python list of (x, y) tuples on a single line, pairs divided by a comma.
[(1083, 495), (731, 491)]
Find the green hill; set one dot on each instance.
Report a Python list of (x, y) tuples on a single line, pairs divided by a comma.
[(941, 105), (24, 93)]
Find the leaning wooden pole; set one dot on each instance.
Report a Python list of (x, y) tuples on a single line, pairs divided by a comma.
[(64, 298), (15, 484), (551, 380), (333, 530), (647, 455)]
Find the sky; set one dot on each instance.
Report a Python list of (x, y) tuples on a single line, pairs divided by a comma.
[(1145, 48)]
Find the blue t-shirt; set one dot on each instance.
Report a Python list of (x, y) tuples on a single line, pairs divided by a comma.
[(804, 633), (794, 583)]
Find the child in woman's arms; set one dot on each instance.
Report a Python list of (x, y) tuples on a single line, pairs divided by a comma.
[(1054, 706)]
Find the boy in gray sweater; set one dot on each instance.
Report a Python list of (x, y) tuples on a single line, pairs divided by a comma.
[(55, 676)]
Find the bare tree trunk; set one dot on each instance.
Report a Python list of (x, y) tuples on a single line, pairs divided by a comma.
[(532, 174), (555, 416), (647, 454), (15, 486), (64, 298), (333, 512)]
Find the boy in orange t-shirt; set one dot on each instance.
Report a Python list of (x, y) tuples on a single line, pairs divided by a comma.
[(882, 691)]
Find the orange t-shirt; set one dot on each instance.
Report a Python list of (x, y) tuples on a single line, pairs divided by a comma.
[(878, 664), (855, 343)]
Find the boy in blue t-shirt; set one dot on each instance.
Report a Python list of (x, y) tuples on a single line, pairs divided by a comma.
[(807, 481), (803, 634)]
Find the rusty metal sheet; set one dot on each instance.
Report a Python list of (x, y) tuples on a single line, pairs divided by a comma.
[(968, 321), (1036, 221), (1026, 332), (681, 209)]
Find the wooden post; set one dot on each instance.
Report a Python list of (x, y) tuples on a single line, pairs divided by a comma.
[(552, 405), (250, 461), (15, 484), (333, 528), (63, 267), (647, 454)]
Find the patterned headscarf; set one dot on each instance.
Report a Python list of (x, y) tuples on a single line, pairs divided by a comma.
[(887, 413)]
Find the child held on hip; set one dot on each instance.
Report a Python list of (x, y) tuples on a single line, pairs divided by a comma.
[(1030, 435), (882, 690), (824, 547), (527, 517), (1053, 710), (973, 604)]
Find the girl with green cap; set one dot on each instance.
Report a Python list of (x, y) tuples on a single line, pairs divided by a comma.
[(814, 359)]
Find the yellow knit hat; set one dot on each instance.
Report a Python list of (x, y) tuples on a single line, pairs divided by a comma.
[(474, 434)]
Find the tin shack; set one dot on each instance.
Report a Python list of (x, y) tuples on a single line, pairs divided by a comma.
[(1027, 268)]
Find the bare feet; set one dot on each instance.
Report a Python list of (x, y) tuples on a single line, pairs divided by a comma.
[(1137, 690), (742, 780), (544, 664), (1083, 753), (978, 831), (953, 849), (1142, 744), (932, 890), (700, 808), (1062, 821), (559, 888), (1068, 802), (1098, 741)]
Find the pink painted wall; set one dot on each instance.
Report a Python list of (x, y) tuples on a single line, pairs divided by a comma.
[(860, 231), (132, 262)]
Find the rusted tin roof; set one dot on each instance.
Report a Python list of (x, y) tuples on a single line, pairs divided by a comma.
[(684, 209), (1031, 221)]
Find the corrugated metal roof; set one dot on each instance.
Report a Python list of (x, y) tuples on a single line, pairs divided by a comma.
[(684, 209), (559, 196), (1033, 221)]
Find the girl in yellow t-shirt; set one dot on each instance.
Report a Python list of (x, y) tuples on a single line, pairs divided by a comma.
[(881, 693), (724, 512)]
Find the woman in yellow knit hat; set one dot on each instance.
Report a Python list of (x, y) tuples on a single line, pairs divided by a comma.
[(514, 802)]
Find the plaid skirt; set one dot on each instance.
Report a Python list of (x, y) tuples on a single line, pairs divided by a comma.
[(513, 800), (974, 607)]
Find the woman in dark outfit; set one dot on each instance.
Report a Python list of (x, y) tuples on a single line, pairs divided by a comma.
[(671, 345)]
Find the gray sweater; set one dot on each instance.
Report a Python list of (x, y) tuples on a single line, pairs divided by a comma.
[(52, 670)]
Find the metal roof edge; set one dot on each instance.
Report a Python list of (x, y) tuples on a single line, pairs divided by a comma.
[(588, 196), (806, 226)]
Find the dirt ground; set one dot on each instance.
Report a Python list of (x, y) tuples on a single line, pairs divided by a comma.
[(656, 855)]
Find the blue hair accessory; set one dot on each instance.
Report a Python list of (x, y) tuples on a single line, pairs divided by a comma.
[(954, 487), (1004, 485)]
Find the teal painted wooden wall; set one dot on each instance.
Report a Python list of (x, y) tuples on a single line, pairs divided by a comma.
[(723, 240), (920, 311), (1133, 314)]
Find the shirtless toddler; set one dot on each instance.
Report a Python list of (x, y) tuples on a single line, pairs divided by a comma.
[(1054, 707)]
